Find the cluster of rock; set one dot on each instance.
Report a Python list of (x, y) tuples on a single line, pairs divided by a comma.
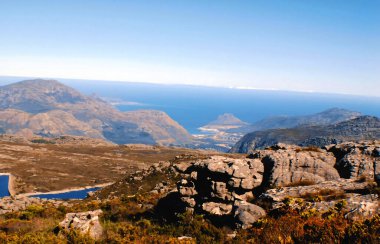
[(222, 187), (84, 222), (357, 160), (227, 187), (356, 197), (19, 203)]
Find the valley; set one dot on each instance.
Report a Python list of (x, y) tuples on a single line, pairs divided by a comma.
[(72, 162)]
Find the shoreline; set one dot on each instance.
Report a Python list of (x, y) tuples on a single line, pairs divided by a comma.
[(65, 190), (11, 179)]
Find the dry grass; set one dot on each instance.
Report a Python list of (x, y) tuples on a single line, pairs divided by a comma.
[(324, 195), (308, 149), (301, 183), (48, 167)]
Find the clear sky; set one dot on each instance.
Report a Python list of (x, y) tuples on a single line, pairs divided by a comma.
[(313, 45)]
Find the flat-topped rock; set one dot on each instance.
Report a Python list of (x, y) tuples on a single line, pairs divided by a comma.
[(323, 188), (286, 166)]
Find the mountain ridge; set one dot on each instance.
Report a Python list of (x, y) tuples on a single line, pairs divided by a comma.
[(49, 108), (360, 128), (326, 117)]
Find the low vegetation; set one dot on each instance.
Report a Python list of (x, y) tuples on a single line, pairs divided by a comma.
[(130, 219), (301, 183)]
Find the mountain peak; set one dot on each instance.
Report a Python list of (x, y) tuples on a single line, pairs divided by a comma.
[(227, 119), (38, 95)]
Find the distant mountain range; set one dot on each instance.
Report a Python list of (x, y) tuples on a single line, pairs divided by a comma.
[(227, 130), (49, 108), (360, 128), (328, 117)]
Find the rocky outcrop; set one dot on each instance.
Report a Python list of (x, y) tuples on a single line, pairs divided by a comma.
[(221, 187), (357, 160), (327, 188), (84, 222), (239, 189), (19, 203), (290, 165)]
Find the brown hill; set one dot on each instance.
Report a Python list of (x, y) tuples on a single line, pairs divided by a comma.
[(49, 108)]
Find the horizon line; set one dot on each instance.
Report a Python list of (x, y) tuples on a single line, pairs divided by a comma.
[(196, 85)]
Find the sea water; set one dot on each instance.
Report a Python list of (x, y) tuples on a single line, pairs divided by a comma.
[(195, 106), (75, 194), (4, 181)]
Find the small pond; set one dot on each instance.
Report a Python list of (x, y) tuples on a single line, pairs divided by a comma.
[(75, 194), (4, 181)]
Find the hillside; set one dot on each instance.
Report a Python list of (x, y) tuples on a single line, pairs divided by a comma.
[(328, 117), (305, 195), (361, 128), (49, 108)]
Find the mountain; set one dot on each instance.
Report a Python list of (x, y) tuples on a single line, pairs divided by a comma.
[(328, 117), (224, 122), (224, 132), (49, 108), (360, 128), (227, 119)]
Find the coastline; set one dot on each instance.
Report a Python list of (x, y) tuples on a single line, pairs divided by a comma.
[(65, 190), (11, 188)]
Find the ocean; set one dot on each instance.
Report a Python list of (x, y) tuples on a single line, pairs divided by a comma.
[(195, 106)]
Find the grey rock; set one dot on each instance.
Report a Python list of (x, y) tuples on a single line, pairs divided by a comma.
[(247, 213), (219, 209), (293, 166), (327, 187), (182, 167), (357, 160), (187, 191), (85, 222)]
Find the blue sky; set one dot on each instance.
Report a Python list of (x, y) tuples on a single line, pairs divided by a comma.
[(314, 45)]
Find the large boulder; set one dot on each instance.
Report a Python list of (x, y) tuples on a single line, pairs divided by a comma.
[(358, 160), (217, 185), (215, 208), (294, 165), (85, 222), (247, 213)]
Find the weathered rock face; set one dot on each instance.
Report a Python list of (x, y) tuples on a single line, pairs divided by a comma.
[(220, 186), (288, 165), (220, 178), (357, 160), (327, 188), (85, 222)]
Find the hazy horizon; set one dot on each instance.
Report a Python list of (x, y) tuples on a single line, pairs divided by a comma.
[(12, 79), (319, 46)]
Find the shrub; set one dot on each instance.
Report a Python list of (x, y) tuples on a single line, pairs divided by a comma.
[(301, 183), (42, 141)]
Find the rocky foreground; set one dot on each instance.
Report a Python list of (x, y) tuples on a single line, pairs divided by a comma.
[(240, 191), (283, 194)]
